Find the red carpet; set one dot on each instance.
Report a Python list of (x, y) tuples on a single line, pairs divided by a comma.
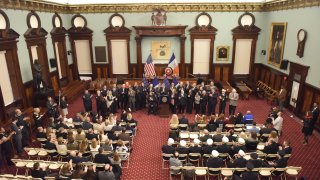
[(145, 161)]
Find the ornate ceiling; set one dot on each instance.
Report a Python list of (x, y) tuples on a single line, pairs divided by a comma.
[(111, 6)]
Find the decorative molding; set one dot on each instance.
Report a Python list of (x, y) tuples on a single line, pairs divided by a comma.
[(41, 6)]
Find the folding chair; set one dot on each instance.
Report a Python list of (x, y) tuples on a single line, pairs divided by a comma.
[(165, 158), (293, 171)]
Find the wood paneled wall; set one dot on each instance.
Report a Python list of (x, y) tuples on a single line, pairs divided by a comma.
[(275, 79)]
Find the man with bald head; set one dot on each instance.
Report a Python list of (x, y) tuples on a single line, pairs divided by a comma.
[(233, 99)]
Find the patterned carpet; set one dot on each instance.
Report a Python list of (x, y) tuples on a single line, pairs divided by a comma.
[(146, 161)]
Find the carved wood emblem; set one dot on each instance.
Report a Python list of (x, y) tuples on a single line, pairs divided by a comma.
[(159, 17)]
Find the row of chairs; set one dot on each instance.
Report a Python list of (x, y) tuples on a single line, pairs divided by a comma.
[(236, 127), (269, 93), (222, 173), (98, 83), (198, 158)]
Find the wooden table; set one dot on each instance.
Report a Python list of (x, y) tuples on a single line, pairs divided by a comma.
[(244, 90)]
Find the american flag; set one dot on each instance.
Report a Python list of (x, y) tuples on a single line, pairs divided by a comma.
[(149, 67)]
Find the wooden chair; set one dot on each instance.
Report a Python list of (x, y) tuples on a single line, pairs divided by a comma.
[(201, 171), (226, 172), (194, 157), (165, 158), (175, 171), (266, 172), (214, 172), (279, 172)]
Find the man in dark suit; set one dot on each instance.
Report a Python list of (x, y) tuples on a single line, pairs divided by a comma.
[(77, 158), (87, 102), (206, 136), (123, 91), (257, 163), (184, 120), (215, 161), (91, 135), (183, 149), (224, 148), (117, 127), (196, 148), (86, 125), (101, 158), (239, 162), (168, 149), (315, 113), (182, 101), (271, 147), (124, 136)]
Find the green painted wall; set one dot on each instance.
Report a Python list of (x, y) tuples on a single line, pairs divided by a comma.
[(308, 19), (223, 21)]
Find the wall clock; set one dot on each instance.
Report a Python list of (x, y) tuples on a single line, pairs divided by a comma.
[(246, 20), (116, 20), (203, 19), (302, 37)]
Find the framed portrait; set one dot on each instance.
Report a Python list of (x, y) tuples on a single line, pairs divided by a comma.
[(161, 50), (276, 43), (222, 53)]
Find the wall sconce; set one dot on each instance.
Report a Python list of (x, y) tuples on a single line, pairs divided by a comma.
[(69, 52), (263, 52)]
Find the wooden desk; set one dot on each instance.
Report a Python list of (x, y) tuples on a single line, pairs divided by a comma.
[(244, 90)]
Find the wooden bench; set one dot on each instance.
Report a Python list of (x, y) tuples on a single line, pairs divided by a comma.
[(73, 90)]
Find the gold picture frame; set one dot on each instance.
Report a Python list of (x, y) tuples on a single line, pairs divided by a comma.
[(276, 43), (161, 50), (222, 53)]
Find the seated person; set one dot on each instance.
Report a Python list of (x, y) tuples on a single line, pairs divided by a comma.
[(218, 136), (249, 174), (80, 135), (62, 133), (38, 172), (41, 133), (206, 136), (168, 149), (50, 144), (77, 172), (266, 129), (107, 146), (215, 161), (286, 147), (257, 163), (91, 135), (208, 147), (86, 125), (231, 136), (184, 120), (90, 173), (94, 146), (124, 136), (107, 173), (183, 149), (240, 145), (60, 145), (174, 161), (239, 161), (174, 122), (282, 162), (271, 147), (224, 148), (72, 144), (74, 158), (196, 148), (248, 118), (254, 128), (66, 170), (101, 158), (122, 148), (117, 127)]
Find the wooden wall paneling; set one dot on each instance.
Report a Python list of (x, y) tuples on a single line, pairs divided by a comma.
[(272, 79), (307, 100), (225, 74), (55, 82), (70, 72), (256, 74), (2, 109), (277, 84), (263, 74), (267, 78), (217, 73), (28, 86)]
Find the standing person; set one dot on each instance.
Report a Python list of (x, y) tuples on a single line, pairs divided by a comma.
[(233, 99), (24, 127), (173, 101), (114, 105), (223, 101), (64, 106), (282, 97), (182, 102), (123, 91), (87, 102), (277, 123), (99, 100), (132, 99), (307, 127), (6, 146), (51, 107), (212, 101), (190, 99), (197, 98), (17, 137), (315, 113), (203, 102)]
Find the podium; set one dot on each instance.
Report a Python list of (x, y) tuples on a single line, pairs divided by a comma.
[(164, 106)]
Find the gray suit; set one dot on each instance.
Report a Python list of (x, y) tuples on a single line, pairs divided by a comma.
[(106, 175), (17, 138)]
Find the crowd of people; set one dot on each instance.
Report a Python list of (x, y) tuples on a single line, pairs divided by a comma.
[(218, 138)]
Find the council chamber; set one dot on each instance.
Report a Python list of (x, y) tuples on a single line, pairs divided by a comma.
[(155, 90)]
